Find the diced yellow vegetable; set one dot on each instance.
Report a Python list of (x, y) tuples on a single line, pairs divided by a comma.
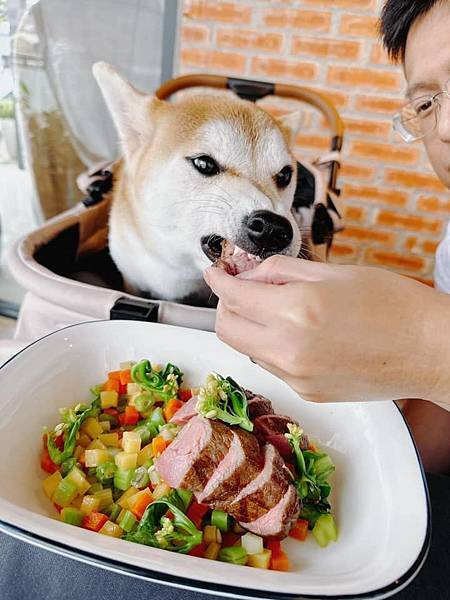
[(145, 454), (131, 442), (121, 515), (89, 504), (51, 483), (96, 445), (93, 458), (109, 399), (211, 534), (260, 561), (79, 479), (105, 425), (133, 388), (77, 502), (112, 529), (105, 497), (212, 551), (161, 490), (109, 439), (123, 500), (125, 460), (84, 440), (91, 427)]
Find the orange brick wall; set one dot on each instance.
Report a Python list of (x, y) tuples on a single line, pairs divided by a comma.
[(394, 206)]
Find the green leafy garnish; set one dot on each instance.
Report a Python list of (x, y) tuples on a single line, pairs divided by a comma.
[(222, 398), (178, 534), (72, 420), (313, 471), (163, 385)]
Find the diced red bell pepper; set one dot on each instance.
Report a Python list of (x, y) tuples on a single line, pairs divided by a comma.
[(185, 394), (274, 546), (122, 388), (196, 512), (129, 417), (198, 551), (299, 530), (279, 562), (94, 521), (111, 411)]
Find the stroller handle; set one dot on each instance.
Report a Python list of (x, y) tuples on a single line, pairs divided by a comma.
[(249, 89)]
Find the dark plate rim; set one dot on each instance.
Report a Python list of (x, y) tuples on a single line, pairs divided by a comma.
[(207, 587)]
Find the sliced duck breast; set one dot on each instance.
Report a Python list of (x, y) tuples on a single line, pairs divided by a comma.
[(277, 522), (271, 428), (264, 491), (195, 453), (259, 405), (242, 464), (186, 412)]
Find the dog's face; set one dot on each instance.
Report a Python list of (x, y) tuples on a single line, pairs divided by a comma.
[(205, 169)]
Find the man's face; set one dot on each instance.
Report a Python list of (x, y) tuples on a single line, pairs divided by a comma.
[(427, 71)]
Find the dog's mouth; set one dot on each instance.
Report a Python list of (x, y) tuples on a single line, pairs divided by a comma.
[(228, 256)]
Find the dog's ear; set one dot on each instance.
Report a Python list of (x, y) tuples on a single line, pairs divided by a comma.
[(130, 109), (291, 123)]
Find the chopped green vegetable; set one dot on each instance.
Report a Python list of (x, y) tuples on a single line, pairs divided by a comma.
[(122, 478), (112, 511), (325, 530), (157, 530), (225, 400), (105, 471), (95, 487), (220, 519), (235, 555), (65, 492), (157, 419), (140, 478), (128, 521), (163, 385), (144, 402), (71, 515), (68, 465)]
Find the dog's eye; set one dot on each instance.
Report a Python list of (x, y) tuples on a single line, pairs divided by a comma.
[(283, 177), (205, 165)]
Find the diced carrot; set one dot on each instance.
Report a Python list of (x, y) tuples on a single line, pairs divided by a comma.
[(125, 377), (114, 375), (47, 464), (94, 521), (229, 538), (279, 562), (129, 417), (198, 551), (274, 546), (196, 512), (158, 445), (112, 385), (300, 530), (171, 408), (138, 508), (185, 395)]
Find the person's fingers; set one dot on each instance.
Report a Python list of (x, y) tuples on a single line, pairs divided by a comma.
[(279, 269), (253, 300), (250, 338)]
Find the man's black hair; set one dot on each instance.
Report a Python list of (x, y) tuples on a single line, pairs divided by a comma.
[(397, 18)]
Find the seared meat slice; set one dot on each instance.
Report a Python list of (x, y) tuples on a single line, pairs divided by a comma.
[(277, 522), (186, 412), (264, 491), (234, 260), (195, 453), (258, 405), (241, 465), (271, 428)]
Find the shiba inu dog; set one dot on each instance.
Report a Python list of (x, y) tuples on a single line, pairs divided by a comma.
[(194, 174)]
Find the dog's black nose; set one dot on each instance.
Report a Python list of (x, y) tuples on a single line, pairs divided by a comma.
[(268, 231)]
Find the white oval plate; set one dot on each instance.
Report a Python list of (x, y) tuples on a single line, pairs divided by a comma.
[(380, 499)]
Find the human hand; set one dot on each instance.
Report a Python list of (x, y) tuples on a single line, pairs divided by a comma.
[(337, 333)]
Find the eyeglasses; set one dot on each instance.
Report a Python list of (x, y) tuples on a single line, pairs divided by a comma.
[(419, 118)]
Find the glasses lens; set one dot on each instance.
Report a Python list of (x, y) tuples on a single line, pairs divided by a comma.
[(419, 117)]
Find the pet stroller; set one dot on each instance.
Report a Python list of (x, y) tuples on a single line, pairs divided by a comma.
[(65, 265)]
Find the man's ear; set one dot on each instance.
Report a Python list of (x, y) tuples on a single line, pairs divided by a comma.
[(291, 123), (130, 109)]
